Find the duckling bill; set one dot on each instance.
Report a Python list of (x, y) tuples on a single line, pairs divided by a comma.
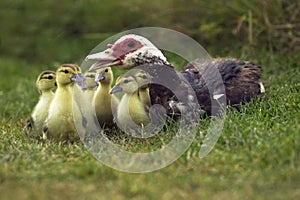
[(116, 89)]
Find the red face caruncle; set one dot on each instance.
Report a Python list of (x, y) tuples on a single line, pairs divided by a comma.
[(122, 48)]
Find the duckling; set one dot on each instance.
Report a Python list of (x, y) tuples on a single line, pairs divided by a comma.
[(91, 85), (82, 96), (59, 124), (105, 104), (45, 84), (131, 111), (143, 79)]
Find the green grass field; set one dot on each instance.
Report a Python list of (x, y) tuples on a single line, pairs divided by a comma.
[(256, 157)]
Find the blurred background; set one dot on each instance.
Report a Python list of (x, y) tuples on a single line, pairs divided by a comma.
[(65, 31), (257, 155)]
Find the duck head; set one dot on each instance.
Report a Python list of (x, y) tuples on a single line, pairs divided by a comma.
[(90, 80), (125, 83), (142, 78), (46, 81), (68, 74), (104, 75), (127, 52)]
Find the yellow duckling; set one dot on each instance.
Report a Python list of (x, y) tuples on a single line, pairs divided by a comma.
[(131, 113), (143, 79), (91, 85), (45, 83), (59, 124), (105, 104), (82, 95)]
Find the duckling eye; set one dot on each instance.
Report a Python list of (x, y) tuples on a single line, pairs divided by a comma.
[(50, 77), (144, 76), (65, 71), (131, 44), (125, 81), (106, 70)]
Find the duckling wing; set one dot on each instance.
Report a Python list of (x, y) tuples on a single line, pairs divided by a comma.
[(115, 103), (137, 111)]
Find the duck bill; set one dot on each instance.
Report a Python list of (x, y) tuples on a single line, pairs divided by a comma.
[(79, 79), (103, 59), (115, 89), (99, 77)]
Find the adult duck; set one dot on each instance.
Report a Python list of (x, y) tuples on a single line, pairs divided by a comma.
[(208, 81)]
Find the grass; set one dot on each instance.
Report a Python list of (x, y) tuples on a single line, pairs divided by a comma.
[(256, 157)]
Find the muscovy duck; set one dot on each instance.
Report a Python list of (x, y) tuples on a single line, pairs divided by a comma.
[(200, 79)]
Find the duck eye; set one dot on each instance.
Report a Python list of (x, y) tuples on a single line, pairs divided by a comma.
[(50, 77), (131, 44), (126, 81), (66, 71), (144, 77), (106, 70)]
